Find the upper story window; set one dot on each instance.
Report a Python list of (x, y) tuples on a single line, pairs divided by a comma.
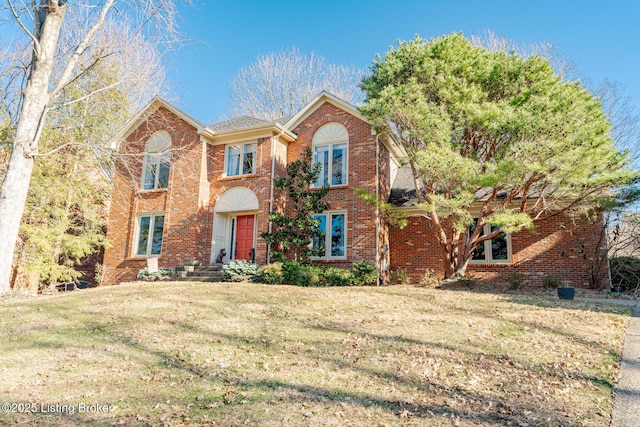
[(157, 161), (241, 159), (494, 251), (330, 144)]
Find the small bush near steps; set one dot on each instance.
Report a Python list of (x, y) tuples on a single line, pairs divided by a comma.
[(161, 274), (240, 271)]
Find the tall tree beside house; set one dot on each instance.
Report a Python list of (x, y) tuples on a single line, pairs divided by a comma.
[(494, 140), (66, 207), (295, 234), (279, 84), (61, 48)]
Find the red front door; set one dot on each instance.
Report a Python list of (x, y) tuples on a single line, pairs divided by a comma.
[(244, 237)]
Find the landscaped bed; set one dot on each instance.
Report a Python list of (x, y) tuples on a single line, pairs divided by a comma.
[(247, 354)]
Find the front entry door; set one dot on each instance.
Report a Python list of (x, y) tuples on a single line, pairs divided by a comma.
[(244, 237)]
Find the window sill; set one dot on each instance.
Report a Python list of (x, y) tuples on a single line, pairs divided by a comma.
[(234, 177), (485, 263), (142, 257), (155, 190)]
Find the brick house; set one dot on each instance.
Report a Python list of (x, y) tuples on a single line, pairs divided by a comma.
[(183, 190)]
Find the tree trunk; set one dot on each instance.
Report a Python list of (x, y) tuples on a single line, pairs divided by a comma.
[(35, 102)]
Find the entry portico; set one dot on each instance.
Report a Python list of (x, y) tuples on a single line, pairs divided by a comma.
[(234, 225)]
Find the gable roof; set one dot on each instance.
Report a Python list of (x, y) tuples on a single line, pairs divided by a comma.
[(237, 123), (316, 102), (144, 113)]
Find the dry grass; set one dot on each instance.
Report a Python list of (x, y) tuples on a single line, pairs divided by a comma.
[(243, 354)]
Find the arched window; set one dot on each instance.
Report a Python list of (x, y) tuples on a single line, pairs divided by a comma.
[(330, 144), (157, 160)]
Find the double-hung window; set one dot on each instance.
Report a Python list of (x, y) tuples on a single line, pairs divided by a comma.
[(157, 161), (241, 159), (494, 251), (330, 144), (149, 239), (332, 242)]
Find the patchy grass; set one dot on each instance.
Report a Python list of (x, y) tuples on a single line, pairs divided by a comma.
[(242, 354)]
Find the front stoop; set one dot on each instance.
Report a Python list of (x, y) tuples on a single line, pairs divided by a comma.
[(191, 273)]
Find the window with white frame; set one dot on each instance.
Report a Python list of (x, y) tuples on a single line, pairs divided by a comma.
[(149, 238), (333, 241), (330, 144), (241, 159), (496, 250), (157, 161)]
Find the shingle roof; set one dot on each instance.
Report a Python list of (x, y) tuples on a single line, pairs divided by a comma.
[(238, 123), (403, 190), (283, 120)]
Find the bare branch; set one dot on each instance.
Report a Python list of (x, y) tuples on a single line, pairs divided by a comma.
[(36, 43), (75, 58)]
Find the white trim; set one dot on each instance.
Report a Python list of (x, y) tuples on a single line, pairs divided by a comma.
[(237, 199), (232, 234), (146, 112), (488, 252), (136, 234), (327, 237), (232, 136), (323, 97), (333, 128), (156, 154), (226, 159)]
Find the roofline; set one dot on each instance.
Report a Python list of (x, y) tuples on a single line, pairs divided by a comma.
[(255, 131), (324, 96), (396, 150), (144, 113)]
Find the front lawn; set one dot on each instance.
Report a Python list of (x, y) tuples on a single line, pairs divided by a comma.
[(245, 354)]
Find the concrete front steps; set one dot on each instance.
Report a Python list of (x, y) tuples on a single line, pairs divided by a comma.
[(199, 273)]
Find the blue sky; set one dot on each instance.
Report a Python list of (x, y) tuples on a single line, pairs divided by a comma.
[(601, 37)]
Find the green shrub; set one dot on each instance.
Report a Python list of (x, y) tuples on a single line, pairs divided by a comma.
[(551, 282), (625, 274), (364, 273), (161, 274), (333, 276), (239, 271), (309, 275), (290, 272), (271, 274), (515, 280), (429, 278), (399, 276)]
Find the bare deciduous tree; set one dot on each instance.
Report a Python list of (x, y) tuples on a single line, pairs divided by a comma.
[(280, 83), (566, 69), (64, 42)]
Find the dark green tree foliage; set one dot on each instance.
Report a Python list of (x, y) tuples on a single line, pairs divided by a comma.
[(491, 133), (294, 228)]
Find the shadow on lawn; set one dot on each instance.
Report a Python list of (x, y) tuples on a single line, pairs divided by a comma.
[(536, 296), (477, 407)]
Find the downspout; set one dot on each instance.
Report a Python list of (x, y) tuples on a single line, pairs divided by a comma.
[(606, 250)]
